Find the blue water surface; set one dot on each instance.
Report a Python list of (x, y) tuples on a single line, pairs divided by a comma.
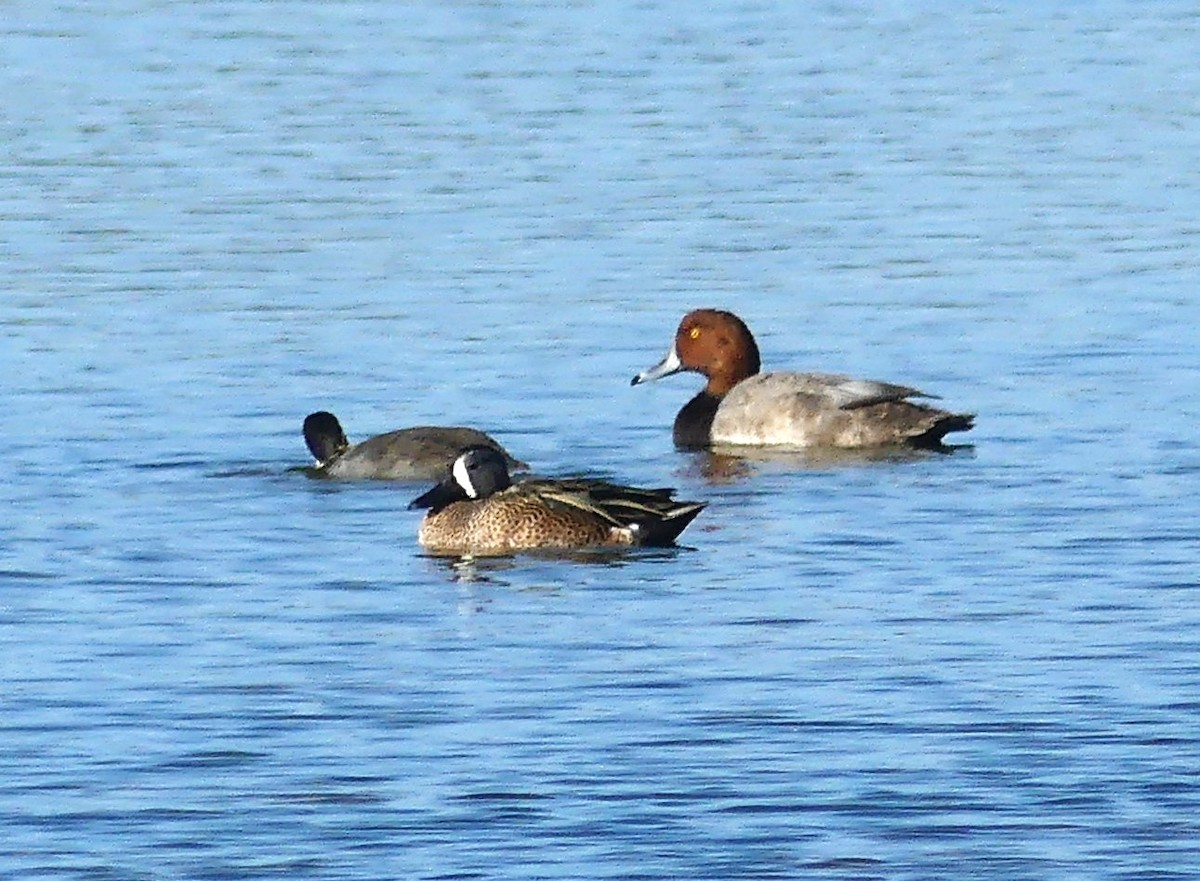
[(217, 217)]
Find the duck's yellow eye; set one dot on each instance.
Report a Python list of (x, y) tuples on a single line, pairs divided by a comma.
[(694, 333)]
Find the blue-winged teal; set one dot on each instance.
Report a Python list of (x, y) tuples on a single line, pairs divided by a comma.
[(740, 406), (421, 453), (479, 511)]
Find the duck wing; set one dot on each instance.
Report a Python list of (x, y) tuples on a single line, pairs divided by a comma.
[(613, 503), (838, 391)]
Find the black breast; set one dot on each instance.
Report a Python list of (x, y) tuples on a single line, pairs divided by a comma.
[(693, 425)]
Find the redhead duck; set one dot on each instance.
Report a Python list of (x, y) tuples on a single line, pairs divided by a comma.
[(479, 511), (740, 406), (421, 453)]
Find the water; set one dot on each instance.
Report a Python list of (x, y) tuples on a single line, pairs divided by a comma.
[(217, 217)]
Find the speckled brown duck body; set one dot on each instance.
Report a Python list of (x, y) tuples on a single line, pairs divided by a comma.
[(739, 406), (424, 452), (478, 511)]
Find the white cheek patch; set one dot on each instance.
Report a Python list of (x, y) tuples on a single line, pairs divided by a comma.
[(461, 477)]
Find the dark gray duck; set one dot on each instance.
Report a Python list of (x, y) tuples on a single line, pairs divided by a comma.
[(424, 452)]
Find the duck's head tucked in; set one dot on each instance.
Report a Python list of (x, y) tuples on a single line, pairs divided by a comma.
[(739, 406), (478, 510), (477, 473), (324, 436)]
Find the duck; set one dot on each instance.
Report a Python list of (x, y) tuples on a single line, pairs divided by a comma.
[(740, 406), (479, 511), (423, 452)]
